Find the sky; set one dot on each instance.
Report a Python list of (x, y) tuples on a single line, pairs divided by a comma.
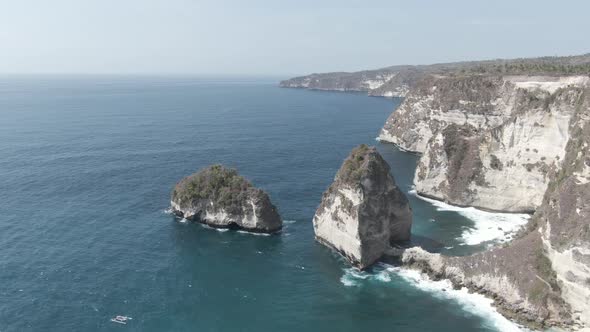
[(279, 37)]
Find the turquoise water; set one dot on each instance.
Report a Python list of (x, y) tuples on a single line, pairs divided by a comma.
[(86, 169)]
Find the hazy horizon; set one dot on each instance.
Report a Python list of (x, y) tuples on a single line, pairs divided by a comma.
[(270, 39)]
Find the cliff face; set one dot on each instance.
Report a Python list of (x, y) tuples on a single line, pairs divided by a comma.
[(506, 167), (219, 197), (360, 81), (438, 101), (482, 101), (488, 142), (543, 277), (363, 211), (564, 218)]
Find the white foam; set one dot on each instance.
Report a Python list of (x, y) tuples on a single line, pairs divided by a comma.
[(352, 277), (253, 233), (289, 222), (473, 303), (183, 221), (476, 304), (215, 228), (168, 211), (488, 226)]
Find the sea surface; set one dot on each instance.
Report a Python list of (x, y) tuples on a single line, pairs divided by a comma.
[(87, 165)]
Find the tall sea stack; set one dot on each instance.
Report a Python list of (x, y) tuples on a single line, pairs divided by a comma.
[(363, 212)]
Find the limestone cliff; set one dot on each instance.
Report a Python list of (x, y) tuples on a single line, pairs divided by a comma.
[(482, 101), (543, 277), (487, 141), (363, 211), (436, 101), (219, 197)]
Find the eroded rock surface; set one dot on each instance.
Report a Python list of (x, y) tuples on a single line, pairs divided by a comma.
[(219, 197), (363, 211), (543, 277), (487, 141)]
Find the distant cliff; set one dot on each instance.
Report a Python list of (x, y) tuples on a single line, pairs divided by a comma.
[(397, 81), (360, 81)]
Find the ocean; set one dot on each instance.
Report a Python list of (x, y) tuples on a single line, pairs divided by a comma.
[(87, 165)]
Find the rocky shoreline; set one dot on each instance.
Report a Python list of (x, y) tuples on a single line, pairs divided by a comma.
[(505, 136)]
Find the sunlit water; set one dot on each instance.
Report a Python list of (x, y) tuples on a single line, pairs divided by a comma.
[(86, 169)]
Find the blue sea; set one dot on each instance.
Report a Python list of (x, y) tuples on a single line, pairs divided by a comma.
[(87, 165)]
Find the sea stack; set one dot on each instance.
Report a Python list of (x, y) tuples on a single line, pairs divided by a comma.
[(220, 197), (363, 211)]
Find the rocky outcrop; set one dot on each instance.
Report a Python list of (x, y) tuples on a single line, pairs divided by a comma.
[(363, 211), (543, 277), (219, 197), (519, 279), (487, 141)]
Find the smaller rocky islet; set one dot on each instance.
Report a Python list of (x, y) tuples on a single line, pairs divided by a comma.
[(219, 197)]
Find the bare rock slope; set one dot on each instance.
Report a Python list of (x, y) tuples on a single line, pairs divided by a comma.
[(219, 197), (543, 277), (487, 141), (363, 211)]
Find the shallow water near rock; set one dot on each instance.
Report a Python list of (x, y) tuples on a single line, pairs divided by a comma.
[(86, 170)]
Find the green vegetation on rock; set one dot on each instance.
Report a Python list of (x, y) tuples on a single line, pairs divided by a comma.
[(351, 170), (223, 186)]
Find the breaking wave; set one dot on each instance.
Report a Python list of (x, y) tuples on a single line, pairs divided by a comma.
[(488, 226), (253, 233), (214, 228), (473, 303)]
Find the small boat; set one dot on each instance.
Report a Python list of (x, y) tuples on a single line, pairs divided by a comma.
[(114, 320), (121, 319)]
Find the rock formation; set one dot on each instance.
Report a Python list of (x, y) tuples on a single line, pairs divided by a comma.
[(363, 211), (219, 197), (486, 141), (543, 277), (509, 135)]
